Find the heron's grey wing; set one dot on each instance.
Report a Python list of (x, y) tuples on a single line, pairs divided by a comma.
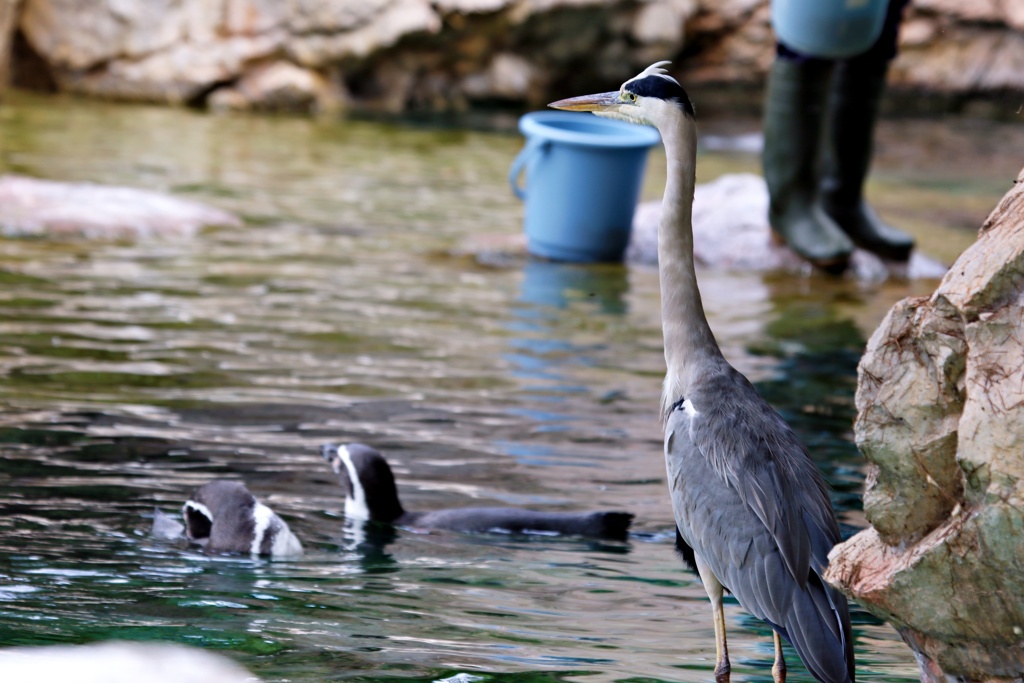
[(722, 529), (751, 503), (756, 453)]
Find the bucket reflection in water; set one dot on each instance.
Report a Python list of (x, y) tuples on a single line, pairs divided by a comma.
[(556, 285), (542, 351)]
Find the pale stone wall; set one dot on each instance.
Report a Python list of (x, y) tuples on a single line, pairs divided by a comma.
[(446, 54)]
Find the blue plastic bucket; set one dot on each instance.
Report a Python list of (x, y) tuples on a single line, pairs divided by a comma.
[(833, 29), (583, 176)]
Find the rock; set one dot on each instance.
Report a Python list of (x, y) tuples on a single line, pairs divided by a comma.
[(979, 57), (1014, 15), (907, 498), (177, 75), (398, 20), (977, 10), (470, 6), (279, 86), (119, 662), (329, 16), (8, 22), (659, 28), (663, 22), (75, 35), (253, 17), (940, 402), (731, 231), (43, 207), (508, 77), (738, 53), (916, 32), (438, 54)]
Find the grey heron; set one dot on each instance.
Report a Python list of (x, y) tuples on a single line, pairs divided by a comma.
[(752, 512)]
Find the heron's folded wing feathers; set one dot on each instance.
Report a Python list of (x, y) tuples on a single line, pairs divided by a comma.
[(752, 504), (755, 453)]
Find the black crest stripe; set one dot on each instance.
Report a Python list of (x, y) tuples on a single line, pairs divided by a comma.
[(661, 88)]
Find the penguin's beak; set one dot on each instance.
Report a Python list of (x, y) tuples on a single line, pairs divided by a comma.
[(329, 451)]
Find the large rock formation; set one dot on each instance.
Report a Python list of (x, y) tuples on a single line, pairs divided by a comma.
[(447, 54), (940, 402)]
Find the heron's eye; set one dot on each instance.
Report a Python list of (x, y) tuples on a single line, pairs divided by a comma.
[(631, 97)]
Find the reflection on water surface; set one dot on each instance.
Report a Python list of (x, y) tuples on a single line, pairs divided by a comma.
[(130, 373)]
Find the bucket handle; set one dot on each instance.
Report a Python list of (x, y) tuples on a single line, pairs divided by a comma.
[(532, 147)]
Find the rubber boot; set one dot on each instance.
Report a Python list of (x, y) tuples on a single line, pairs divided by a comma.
[(853, 110), (793, 121)]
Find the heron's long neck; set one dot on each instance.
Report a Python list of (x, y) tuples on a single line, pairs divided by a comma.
[(689, 343)]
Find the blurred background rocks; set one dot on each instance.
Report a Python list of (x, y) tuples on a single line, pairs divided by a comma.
[(448, 55)]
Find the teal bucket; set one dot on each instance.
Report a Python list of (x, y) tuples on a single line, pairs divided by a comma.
[(583, 176), (832, 29)]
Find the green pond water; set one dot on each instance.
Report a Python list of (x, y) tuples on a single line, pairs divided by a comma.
[(357, 303)]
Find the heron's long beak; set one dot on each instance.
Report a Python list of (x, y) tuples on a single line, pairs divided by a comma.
[(600, 102)]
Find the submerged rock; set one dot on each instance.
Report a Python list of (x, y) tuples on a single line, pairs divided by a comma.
[(731, 231), (940, 402), (119, 662), (29, 206)]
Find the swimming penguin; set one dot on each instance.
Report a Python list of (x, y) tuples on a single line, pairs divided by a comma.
[(371, 494), (223, 517)]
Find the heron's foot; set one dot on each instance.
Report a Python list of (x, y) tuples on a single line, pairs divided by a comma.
[(722, 671), (779, 667), (779, 670)]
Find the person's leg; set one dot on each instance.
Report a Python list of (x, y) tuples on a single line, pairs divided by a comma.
[(858, 84), (794, 116)]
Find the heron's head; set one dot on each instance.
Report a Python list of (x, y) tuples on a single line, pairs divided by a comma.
[(651, 98)]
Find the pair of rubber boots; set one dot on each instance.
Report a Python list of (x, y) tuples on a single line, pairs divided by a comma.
[(818, 127)]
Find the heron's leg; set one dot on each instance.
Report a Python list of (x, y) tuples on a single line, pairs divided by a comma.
[(722, 667), (715, 590), (779, 668)]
